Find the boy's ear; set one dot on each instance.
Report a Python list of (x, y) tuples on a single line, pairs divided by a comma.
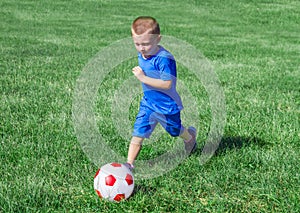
[(158, 38)]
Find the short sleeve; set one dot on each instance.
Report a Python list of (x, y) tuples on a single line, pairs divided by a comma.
[(167, 68)]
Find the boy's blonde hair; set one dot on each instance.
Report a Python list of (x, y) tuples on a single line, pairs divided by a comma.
[(144, 24)]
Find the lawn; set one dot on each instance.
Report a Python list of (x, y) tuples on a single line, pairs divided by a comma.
[(253, 48)]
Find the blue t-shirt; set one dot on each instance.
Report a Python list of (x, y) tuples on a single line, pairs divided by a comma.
[(160, 66)]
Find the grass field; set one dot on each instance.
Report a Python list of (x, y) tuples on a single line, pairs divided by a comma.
[(254, 48)]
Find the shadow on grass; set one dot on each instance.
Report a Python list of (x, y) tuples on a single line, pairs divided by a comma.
[(227, 143), (238, 142), (140, 188)]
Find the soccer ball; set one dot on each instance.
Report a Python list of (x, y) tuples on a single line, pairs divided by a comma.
[(114, 182)]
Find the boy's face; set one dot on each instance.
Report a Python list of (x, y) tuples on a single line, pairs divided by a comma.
[(146, 44)]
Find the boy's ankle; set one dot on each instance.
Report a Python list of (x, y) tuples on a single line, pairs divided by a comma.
[(130, 166)]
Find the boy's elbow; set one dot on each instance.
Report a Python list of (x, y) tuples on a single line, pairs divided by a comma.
[(167, 85)]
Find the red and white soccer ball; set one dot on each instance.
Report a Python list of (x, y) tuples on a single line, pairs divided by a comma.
[(114, 182)]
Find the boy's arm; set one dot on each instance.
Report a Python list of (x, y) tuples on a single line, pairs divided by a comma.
[(157, 83)]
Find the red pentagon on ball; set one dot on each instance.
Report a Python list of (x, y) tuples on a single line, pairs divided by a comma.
[(129, 179), (116, 164), (98, 193), (97, 173), (110, 180), (119, 197)]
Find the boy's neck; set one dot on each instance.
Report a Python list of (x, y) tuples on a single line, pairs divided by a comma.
[(155, 52)]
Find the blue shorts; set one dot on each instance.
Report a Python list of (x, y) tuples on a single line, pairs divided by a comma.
[(147, 119)]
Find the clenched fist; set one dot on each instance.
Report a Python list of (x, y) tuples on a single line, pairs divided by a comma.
[(138, 72)]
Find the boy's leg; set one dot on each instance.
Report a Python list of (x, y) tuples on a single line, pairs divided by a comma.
[(172, 124), (143, 127), (134, 149), (185, 135), (189, 138)]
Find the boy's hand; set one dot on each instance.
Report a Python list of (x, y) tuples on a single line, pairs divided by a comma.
[(138, 72), (157, 83)]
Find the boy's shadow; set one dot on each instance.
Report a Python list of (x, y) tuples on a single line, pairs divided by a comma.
[(227, 143), (143, 189), (237, 142)]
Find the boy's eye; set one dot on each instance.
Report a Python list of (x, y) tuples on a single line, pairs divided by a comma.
[(142, 44)]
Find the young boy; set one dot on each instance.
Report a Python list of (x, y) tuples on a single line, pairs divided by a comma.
[(161, 102)]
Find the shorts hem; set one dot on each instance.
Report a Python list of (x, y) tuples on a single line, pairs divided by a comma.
[(140, 136)]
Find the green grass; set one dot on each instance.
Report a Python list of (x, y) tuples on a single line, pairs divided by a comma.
[(254, 48)]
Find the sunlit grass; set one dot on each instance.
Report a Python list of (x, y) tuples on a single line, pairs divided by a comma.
[(254, 49)]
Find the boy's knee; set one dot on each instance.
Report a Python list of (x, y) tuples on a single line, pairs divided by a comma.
[(174, 132), (137, 141)]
